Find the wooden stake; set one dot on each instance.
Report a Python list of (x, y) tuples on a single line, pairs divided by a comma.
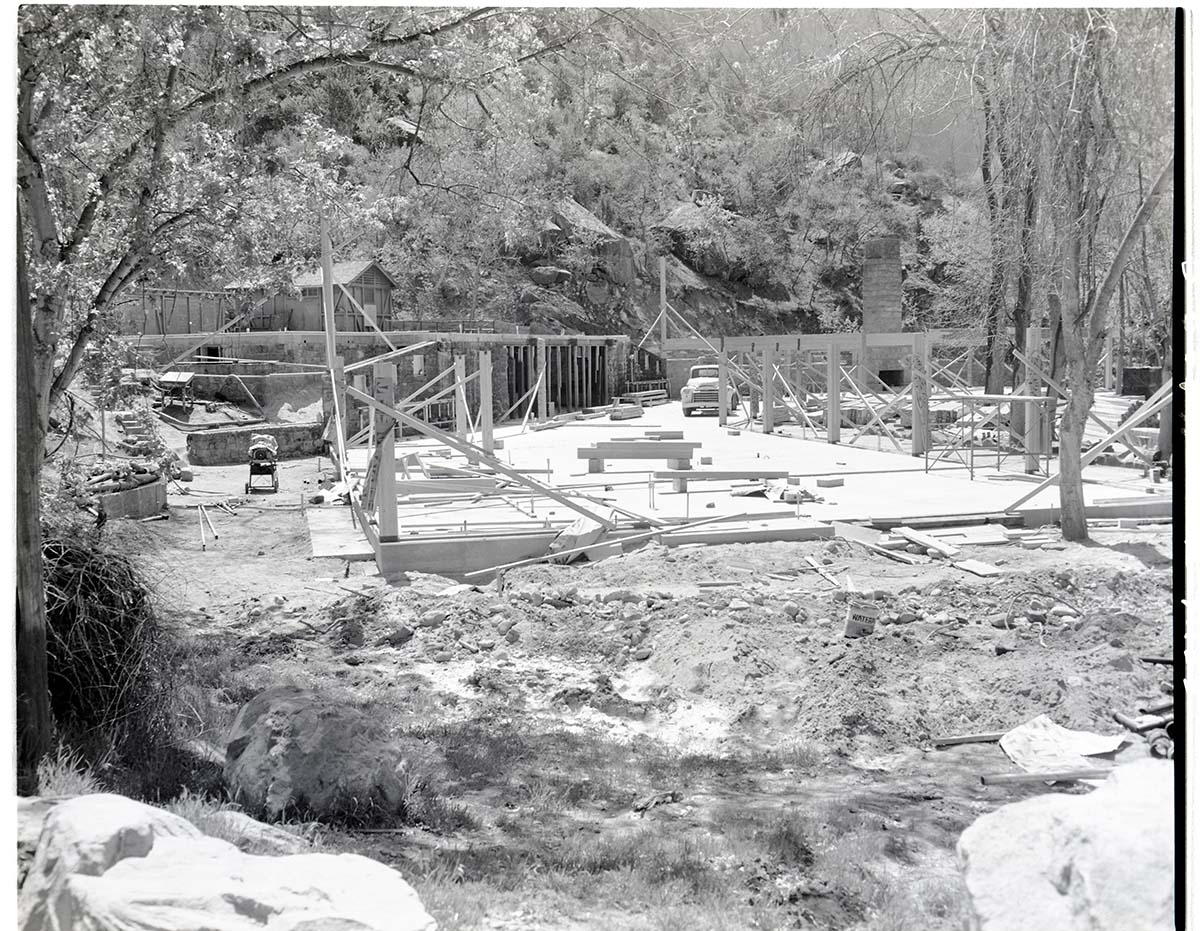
[(208, 520)]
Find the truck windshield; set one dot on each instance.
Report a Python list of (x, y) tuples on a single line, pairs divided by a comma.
[(707, 371)]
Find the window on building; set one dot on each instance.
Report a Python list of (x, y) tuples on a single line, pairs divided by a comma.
[(418, 363), (210, 352)]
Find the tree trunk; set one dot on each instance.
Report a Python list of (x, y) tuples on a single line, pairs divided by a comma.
[(1083, 330), (1164, 416), (1070, 453), (1024, 296), (34, 723), (1122, 304)]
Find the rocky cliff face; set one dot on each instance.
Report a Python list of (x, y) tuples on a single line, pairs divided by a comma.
[(760, 266), (727, 273)]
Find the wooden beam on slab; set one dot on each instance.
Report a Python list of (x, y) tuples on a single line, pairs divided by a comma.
[(474, 452)]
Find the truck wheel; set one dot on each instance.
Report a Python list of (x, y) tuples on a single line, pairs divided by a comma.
[(687, 412)]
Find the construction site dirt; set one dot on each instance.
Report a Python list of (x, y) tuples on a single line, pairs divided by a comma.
[(689, 714)]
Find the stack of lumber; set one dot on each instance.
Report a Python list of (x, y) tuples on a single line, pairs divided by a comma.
[(645, 398), (111, 477), (677, 453)]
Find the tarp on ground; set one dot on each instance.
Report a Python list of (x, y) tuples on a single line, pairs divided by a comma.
[(1040, 746)]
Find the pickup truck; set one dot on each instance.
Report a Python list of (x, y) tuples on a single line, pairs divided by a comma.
[(700, 392)]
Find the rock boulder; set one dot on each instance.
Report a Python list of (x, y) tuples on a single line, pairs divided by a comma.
[(1100, 862), (107, 863), (293, 750)]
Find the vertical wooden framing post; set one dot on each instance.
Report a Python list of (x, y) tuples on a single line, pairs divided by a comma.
[(920, 394), (385, 488), (543, 394), (768, 383), (1033, 410), (573, 376), (722, 388), (833, 394), (1108, 362), (587, 376), (461, 420), (485, 401)]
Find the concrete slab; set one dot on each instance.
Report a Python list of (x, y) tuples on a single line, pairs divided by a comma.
[(876, 485), (333, 535)]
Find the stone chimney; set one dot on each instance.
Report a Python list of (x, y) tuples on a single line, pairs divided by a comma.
[(881, 294)]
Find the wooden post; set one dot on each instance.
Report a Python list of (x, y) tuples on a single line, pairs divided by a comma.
[(587, 376), (920, 394), (461, 420), (573, 392), (339, 379), (833, 399), (768, 383), (796, 373), (722, 388), (485, 400), (1033, 410), (543, 394), (385, 487), (1108, 362)]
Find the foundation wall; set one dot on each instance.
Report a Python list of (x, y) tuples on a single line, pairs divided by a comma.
[(583, 370), (229, 446)]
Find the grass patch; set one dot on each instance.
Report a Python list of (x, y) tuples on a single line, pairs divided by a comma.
[(64, 772)]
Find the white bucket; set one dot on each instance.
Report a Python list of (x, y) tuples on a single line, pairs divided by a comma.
[(860, 618)]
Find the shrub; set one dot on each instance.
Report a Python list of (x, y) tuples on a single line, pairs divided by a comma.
[(111, 665)]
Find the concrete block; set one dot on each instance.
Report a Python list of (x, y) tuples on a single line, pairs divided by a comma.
[(830, 482), (143, 501)]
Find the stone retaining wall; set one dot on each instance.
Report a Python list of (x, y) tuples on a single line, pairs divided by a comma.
[(230, 445)]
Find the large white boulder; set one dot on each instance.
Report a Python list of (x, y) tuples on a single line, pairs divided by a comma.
[(86, 836), (106, 863), (1098, 862)]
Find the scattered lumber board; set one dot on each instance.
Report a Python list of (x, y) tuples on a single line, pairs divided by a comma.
[(1067, 775), (925, 540), (819, 569), (909, 559), (987, 738), (976, 567)]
